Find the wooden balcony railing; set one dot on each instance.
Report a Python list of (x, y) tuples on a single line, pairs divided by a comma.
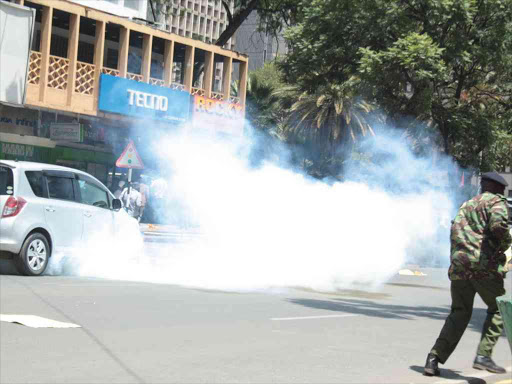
[(177, 86), (84, 82), (133, 76), (110, 71), (234, 100), (217, 96), (58, 72), (197, 91), (82, 95), (158, 82), (34, 68)]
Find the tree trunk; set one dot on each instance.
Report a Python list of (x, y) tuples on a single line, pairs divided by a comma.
[(238, 18), (236, 22)]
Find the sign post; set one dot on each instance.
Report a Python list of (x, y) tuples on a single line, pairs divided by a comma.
[(130, 159)]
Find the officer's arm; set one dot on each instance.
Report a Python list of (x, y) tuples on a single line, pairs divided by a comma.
[(498, 225)]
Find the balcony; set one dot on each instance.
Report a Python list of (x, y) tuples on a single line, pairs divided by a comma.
[(74, 46)]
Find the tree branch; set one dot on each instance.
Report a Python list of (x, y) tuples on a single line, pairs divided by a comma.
[(237, 19), (228, 12)]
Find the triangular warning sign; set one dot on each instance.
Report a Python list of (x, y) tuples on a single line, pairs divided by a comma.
[(130, 158)]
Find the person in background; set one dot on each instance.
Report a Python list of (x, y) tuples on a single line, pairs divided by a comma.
[(119, 190), (479, 239), (158, 200), (132, 200), (144, 191)]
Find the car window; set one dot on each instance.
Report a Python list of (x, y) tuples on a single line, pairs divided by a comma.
[(6, 181), (93, 195), (60, 188), (35, 179)]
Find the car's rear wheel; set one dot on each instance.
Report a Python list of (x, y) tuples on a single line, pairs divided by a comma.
[(34, 255)]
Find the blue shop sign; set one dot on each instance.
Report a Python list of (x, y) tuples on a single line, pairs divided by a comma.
[(130, 97)]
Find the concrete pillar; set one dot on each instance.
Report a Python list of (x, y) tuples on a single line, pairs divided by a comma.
[(209, 67), (99, 51), (46, 38), (226, 77), (124, 45), (168, 62), (73, 37), (147, 47), (242, 87), (189, 67)]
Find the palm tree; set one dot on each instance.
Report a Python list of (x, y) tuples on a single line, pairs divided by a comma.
[(327, 123), (333, 115)]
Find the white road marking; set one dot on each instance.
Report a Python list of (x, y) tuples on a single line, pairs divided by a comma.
[(310, 317), (36, 321), (478, 375)]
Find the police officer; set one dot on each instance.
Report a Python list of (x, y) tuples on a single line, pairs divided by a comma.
[(479, 238)]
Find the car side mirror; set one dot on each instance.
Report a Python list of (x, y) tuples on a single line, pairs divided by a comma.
[(116, 204)]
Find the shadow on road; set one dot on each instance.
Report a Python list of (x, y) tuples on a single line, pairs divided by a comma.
[(449, 374), (389, 311)]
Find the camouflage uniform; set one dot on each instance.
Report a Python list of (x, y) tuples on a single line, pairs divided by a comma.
[(479, 238)]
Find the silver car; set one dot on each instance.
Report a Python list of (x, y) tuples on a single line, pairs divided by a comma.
[(48, 208)]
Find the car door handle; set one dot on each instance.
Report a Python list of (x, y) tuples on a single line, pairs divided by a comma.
[(87, 214), (49, 209)]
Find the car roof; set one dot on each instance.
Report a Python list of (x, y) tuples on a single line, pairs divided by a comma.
[(30, 165)]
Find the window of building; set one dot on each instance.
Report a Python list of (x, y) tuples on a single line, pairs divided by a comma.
[(111, 58), (85, 52), (59, 46)]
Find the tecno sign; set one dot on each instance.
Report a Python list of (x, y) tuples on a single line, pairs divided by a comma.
[(147, 100), (143, 100)]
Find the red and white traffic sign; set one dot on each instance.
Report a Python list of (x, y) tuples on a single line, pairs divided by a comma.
[(130, 158)]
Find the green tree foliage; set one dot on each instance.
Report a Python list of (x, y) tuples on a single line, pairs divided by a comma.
[(325, 125), (443, 63), (262, 108), (332, 116)]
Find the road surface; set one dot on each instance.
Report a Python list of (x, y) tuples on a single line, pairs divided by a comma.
[(134, 332)]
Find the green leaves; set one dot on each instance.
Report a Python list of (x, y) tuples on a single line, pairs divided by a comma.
[(446, 64)]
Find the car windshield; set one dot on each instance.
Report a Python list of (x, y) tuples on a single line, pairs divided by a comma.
[(6, 181)]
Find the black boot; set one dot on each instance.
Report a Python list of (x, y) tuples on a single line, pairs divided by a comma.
[(486, 363), (431, 368)]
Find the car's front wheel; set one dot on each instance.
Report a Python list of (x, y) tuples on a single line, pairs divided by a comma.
[(34, 255)]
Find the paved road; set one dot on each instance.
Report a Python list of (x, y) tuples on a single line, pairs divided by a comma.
[(149, 333)]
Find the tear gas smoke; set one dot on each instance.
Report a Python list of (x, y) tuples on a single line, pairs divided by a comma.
[(269, 226)]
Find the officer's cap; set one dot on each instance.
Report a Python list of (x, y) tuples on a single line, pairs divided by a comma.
[(497, 178)]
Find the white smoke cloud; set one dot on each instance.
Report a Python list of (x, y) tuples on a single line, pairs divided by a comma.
[(271, 227)]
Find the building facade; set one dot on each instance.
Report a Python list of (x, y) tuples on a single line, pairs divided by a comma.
[(96, 80), (202, 20), (260, 46)]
